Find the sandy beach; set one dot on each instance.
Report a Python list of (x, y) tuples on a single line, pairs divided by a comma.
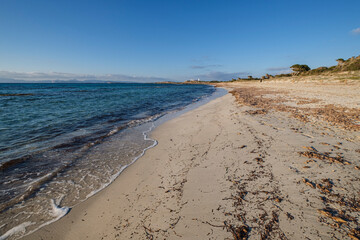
[(271, 160)]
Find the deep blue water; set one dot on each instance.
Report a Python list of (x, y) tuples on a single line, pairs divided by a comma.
[(33, 114), (60, 143)]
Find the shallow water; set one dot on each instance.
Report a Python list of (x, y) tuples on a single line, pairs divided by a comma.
[(61, 143)]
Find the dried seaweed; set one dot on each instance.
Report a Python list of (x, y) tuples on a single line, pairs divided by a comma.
[(309, 183), (345, 118), (289, 216), (307, 101), (255, 112), (238, 232), (324, 156), (354, 233), (270, 226), (333, 214)]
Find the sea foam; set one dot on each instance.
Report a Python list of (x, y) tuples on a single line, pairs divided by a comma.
[(18, 229), (58, 212)]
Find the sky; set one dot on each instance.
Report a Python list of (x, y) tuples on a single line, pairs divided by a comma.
[(147, 41)]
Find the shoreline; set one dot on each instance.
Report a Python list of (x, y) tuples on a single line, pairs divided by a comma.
[(226, 170), (57, 206), (122, 181), (145, 129)]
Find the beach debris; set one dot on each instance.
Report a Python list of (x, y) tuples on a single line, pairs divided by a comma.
[(148, 233), (172, 225), (294, 169), (327, 181), (357, 167), (310, 148), (307, 101), (325, 213), (259, 160), (264, 224), (354, 233), (324, 156), (289, 216), (342, 117), (255, 112), (206, 222), (351, 203), (242, 194), (238, 232), (309, 183), (330, 213), (338, 219), (270, 226), (326, 189)]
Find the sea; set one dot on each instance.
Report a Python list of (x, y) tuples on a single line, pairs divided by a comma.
[(62, 143)]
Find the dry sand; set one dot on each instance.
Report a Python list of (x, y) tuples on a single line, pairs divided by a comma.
[(269, 165)]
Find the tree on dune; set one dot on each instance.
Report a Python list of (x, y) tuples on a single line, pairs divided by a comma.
[(297, 68)]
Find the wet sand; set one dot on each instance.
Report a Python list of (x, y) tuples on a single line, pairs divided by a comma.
[(267, 161)]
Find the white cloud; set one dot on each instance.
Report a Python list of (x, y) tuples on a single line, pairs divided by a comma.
[(39, 76), (356, 31), (279, 70), (221, 76)]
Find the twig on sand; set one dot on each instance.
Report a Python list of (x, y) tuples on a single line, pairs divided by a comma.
[(206, 222)]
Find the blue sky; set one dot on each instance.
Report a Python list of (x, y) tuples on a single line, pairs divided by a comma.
[(153, 40)]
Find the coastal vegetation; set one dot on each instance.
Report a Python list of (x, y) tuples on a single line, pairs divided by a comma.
[(349, 67), (351, 64)]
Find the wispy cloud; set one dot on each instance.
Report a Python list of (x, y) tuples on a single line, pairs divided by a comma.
[(356, 31), (277, 69), (205, 66), (38, 76), (221, 76)]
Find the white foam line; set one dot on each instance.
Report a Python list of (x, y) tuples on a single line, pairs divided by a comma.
[(17, 229), (60, 212), (57, 211), (113, 177)]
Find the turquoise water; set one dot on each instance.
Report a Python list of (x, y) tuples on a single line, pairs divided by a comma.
[(61, 143)]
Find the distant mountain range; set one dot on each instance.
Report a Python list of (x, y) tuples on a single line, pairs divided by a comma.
[(10, 80)]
